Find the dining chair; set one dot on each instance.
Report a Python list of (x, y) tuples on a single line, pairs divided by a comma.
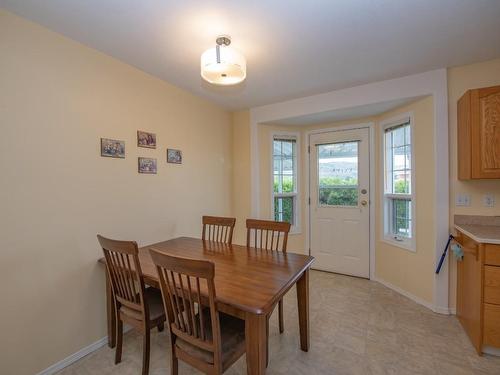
[(200, 335), (269, 235), (218, 229), (136, 305)]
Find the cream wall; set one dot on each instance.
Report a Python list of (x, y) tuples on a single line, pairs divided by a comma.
[(296, 241), (411, 271), (241, 174), (57, 98), (460, 79)]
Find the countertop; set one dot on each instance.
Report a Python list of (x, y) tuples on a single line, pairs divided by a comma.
[(482, 229), (481, 233)]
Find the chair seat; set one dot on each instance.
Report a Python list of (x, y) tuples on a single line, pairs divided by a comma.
[(232, 339), (155, 304)]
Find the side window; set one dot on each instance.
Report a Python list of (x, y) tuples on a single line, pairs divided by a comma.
[(285, 179), (398, 176)]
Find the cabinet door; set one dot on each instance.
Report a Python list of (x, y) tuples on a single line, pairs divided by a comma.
[(491, 325), (492, 285), (469, 290), (485, 107)]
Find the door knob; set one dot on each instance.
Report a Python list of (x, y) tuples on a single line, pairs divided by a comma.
[(364, 203)]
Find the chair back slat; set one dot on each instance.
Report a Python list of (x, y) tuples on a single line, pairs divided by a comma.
[(218, 229), (267, 235), (125, 274), (185, 285)]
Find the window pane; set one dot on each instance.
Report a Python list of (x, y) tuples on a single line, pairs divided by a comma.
[(284, 167), (398, 136), (283, 209), (401, 213), (338, 174), (276, 184), (277, 148), (287, 148), (400, 182), (398, 160), (288, 166), (287, 185), (407, 135), (284, 178)]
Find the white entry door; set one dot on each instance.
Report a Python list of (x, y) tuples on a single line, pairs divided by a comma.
[(340, 206)]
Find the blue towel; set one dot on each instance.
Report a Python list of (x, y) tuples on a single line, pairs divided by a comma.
[(457, 251)]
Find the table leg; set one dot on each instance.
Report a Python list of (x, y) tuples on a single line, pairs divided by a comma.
[(267, 341), (110, 311), (256, 343), (303, 307)]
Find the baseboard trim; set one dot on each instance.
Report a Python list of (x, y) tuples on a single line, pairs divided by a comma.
[(74, 357), (414, 298), (491, 351), (79, 354)]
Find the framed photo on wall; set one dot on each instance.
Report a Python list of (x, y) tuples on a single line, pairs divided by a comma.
[(147, 165), (112, 148), (145, 139), (174, 156)]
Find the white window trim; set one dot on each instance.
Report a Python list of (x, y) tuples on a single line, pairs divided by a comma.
[(296, 228), (404, 243)]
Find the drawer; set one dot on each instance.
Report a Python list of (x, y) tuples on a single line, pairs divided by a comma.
[(492, 255), (491, 328), (492, 284)]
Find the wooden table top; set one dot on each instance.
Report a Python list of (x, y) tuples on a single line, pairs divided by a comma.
[(248, 279)]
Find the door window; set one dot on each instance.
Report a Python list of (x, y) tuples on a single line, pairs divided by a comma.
[(338, 174)]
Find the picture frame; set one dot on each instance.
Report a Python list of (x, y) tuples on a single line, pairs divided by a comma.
[(146, 139), (174, 156), (147, 165), (112, 148)]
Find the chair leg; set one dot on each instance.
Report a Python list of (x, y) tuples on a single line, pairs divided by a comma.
[(174, 364), (119, 340), (280, 313), (145, 351), (161, 326)]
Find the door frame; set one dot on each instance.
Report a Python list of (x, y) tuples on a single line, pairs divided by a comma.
[(372, 164)]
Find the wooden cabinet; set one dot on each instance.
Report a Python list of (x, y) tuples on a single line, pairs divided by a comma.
[(479, 134), (478, 292)]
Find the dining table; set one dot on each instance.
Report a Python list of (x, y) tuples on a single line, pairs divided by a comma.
[(249, 283)]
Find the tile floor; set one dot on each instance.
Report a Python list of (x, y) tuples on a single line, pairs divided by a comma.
[(357, 327)]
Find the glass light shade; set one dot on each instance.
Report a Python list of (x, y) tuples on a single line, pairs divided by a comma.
[(230, 70)]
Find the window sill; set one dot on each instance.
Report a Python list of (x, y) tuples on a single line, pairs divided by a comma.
[(294, 232), (408, 245)]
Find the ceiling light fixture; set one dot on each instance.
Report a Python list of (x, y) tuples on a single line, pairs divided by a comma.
[(223, 65)]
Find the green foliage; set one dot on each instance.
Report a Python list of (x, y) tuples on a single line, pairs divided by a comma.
[(332, 193), (287, 203), (338, 197), (337, 181), (402, 186), (401, 212), (287, 186)]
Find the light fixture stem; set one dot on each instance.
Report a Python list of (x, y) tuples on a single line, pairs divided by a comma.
[(217, 52)]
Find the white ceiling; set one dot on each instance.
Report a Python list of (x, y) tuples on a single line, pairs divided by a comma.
[(294, 48), (344, 114)]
